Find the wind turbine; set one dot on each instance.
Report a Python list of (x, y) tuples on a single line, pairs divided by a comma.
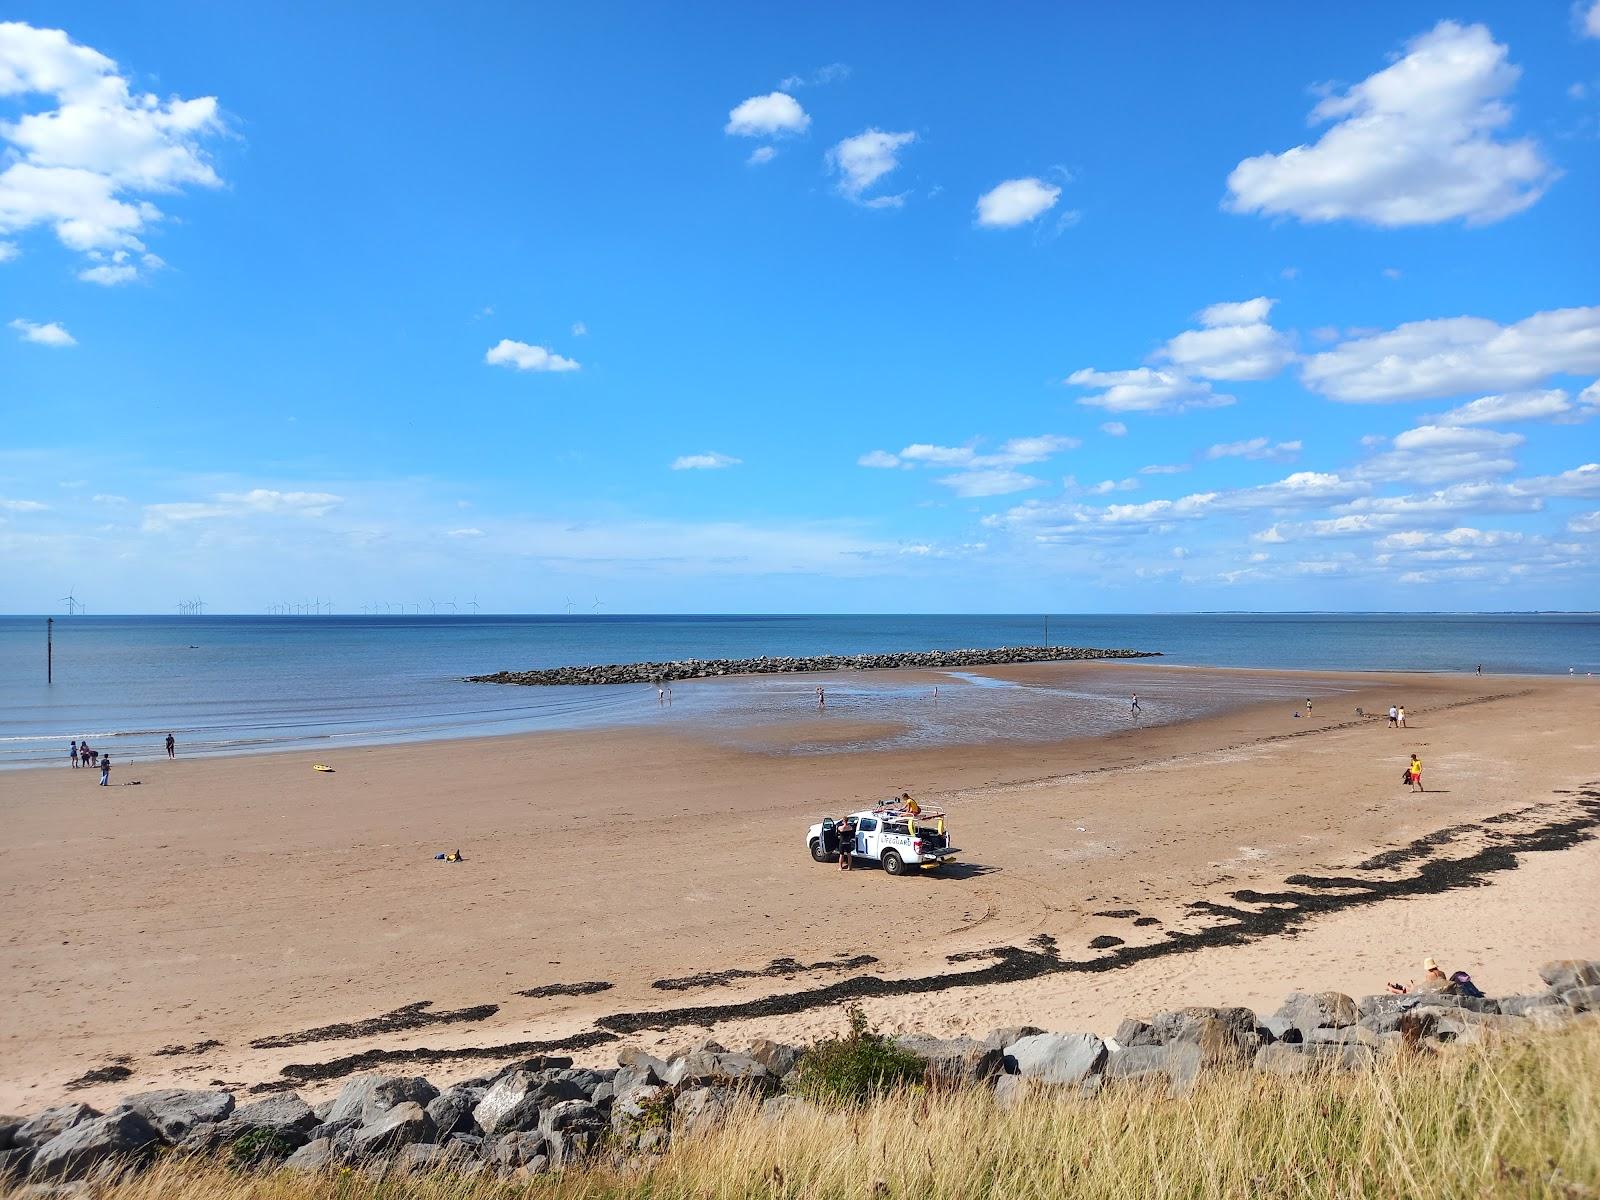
[(596, 604), (72, 602), (569, 606), (474, 603)]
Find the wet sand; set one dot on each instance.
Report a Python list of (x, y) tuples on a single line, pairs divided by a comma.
[(251, 921)]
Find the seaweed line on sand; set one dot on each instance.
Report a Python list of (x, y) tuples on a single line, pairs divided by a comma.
[(588, 988), (408, 1016)]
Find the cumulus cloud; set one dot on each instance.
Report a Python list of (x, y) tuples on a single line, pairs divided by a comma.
[(1236, 343), (1588, 522), (976, 473), (1146, 389), (709, 461), (772, 115), (1016, 202), (1434, 454), (21, 506), (1418, 143), (1510, 406), (51, 333), (85, 164), (878, 458), (861, 161), (1451, 356), (998, 481), (1255, 448), (521, 356), (1589, 19)]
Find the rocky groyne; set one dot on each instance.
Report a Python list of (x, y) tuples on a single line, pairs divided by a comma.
[(706, 668), (544, 1114)]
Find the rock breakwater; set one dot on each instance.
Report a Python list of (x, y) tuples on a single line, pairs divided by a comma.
[(707, 668)]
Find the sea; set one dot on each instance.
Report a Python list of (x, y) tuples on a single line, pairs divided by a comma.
[(248, 684)]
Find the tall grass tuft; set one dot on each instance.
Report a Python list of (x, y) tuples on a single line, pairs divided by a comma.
[(1512, 1119)]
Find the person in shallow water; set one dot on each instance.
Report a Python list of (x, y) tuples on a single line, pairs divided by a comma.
[(172, 747)]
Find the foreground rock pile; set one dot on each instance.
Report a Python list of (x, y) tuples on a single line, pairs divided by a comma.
[(704, 668), (545, 1114)]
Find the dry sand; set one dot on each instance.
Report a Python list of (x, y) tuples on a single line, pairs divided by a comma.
[(240, 900)]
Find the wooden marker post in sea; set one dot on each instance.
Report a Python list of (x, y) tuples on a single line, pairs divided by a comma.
[(49, 649)]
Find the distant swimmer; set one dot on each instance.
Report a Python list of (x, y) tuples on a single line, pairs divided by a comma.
[(172, 747), (1135, 710)]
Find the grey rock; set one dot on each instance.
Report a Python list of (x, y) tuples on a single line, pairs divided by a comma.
[(1279, 1029), (1518, 1006), (603, 1094), (368, 1097), (283, 1111), (1582, 999), (636, 1075), (1566, 973), (1316, 1010), (14, 1161), (1460, 1018), (633, 1056), (316, 1155), (515, 1149), (420, 1158), (451, 1112), (955, 1062), (1281, 1059), (534, 1167), (1350, 1035), (1008, 1034), (51, 1123), (1226, 1036), (1177, 1063), (1133, 1032), (654, 1141), (584, 1078), (1548, 1016), (1010, 1090), (778, 1108), (404, 1124), (777, 1058), (568, 1113), (698, 1111), (1056, 1057), (1382, 1005), (710, 1068), (514, 1102), (174, 1111), (638, 1107), (75, 1152), (8, 1131)]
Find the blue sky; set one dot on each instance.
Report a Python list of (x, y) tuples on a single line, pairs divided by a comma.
[(839, 308)]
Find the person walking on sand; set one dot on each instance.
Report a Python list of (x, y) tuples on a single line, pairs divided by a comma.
[(72, 755), (172, 747), (1400, 716), (1416, 773), (1394, 715), (105, 770), (1134, 710)]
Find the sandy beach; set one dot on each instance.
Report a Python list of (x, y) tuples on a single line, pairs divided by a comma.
[(250, 921)]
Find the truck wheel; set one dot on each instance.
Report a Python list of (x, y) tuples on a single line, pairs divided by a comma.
[(818, 853), (893, 864)]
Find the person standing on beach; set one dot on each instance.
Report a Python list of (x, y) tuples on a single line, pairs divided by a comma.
[(1416, 773), (105, 770), (172, 747), (72, 755), (1308, 706), (822, 698), (1135, 710), (1400, 715)]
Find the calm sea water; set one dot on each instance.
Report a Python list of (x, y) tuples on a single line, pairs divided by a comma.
[(234, 684)]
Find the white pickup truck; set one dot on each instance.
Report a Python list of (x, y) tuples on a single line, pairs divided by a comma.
[(901, 841)]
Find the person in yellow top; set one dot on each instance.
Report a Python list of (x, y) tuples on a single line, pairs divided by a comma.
[(910, 805), (1416, 773)]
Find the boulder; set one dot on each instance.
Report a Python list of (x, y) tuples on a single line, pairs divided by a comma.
[(1226, 1036), (639, 1107), (777, 1058), (451, 1112), (1056, 1057), (1350, 1035), (1278, 1029), (1281, 1059), (284, 1111), (1317, 1010), (1178, 1064), (1582, 999), (420, 1158), (51, 1123), (698, 1111), (515, 1149), (573, 1130), (1567, 973), (955, 1062), (403, 1124), (368, 1097), (636, 1075), (1009, 1090), (174, 1111), (1378, 1006), (14, 1162), (1004, 1036), (1135, 1033), (513, 1102), (316, 1155), (779, 1108), (73, 1153), (8, 1131), (1548, 1016), (1518, 1006), (709, 1068), (585, 1078), (1452, 1019)]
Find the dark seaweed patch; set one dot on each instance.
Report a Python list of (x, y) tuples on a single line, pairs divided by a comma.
[(1421, 848), (338, 1068), (1104, 942), (778, 968), (196, 1048), (1145, 921), (409, 1016), (112, 1073), (1044, 942), (568, 989), (1118, 912)]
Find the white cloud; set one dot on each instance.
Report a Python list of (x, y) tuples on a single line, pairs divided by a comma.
[(1113, 428), (997, 481), (523, 357), (1580, 481), (470, 533), (236, 505), (1236, 343), (51, 333), (84, 164), (1255, 448), (1455, 355), (762, 154), (771, 115), (1146, 389), (108, 498), (878, 458), (861, 161), (1584, 523), (1164, 469), (832, 73), (1449, 504), (8, 251), (709, 461), (1509, 406), (21, 506), (1590, 22), (1016, 202), (579, 329), (1434, 454), (1415, 144)]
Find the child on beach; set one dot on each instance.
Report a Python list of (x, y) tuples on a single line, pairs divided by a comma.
[(1416, 772), (105, 770), (72, 755)]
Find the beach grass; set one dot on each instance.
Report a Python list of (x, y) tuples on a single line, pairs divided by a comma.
[(1514, 1118)]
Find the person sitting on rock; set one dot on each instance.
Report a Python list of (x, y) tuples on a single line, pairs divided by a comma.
[(1433, 981)]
